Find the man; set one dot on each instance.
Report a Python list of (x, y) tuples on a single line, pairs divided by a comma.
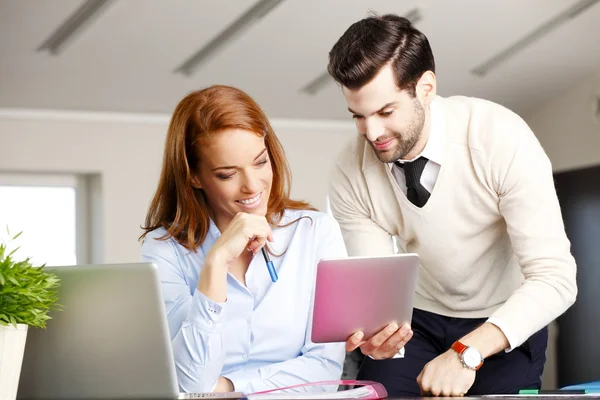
[(465, 184)]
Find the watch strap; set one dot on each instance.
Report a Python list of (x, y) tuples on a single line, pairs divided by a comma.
[(460, 348)]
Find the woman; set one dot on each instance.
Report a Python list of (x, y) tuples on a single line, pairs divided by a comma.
[(223, 195)]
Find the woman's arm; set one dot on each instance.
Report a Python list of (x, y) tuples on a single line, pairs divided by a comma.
[(317, 362), (196, 316), (195, 321)]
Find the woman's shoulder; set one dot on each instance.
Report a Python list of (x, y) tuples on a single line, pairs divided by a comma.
[(158, 235), (158, 246), (159, 240)]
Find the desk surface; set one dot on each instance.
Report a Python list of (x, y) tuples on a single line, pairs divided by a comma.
[(547, 397), (507, 397)]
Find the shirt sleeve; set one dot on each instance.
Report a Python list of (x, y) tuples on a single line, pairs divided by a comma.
[(195, 321), (317, 362)]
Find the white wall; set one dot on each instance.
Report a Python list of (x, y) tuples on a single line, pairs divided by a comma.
[(126, 150), (566, 128)]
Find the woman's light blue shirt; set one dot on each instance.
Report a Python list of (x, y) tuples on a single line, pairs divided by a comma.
[(260, 337)]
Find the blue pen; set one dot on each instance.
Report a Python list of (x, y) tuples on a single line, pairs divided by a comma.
[(270, 266)]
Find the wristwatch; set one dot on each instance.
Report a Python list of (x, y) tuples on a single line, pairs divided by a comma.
[(469, 356)]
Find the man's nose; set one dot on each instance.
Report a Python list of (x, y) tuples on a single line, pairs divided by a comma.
[(373, 130)]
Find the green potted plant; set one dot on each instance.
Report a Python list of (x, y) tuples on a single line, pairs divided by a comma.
[(27, 293)]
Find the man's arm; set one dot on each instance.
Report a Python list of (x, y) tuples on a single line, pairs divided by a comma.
[(522, 176), (529, 205), (363, 237)]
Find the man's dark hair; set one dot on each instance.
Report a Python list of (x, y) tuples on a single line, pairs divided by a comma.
[(374, 41)]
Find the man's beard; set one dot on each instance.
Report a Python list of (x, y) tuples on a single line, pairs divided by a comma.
[(405, 141)]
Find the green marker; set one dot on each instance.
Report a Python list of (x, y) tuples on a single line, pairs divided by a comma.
[(545, 392)]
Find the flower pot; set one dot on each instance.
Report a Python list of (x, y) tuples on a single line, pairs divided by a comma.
[(12, 348)]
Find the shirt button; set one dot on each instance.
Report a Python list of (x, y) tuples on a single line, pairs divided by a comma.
[(210, 322), (245, 356), (248, 318)]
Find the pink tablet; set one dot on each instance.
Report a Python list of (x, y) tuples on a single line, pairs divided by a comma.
[(362, 294)]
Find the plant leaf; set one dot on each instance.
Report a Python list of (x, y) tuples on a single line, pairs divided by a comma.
[(13, 280), (27, 292), (13, 252), (17, 235)]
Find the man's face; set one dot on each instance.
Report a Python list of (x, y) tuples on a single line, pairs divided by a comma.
[(390, 119)]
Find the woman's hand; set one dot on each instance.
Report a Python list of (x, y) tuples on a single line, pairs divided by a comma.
[(246, 232), (224, 385)]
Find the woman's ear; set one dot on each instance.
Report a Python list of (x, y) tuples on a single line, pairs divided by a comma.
[(196, 182)]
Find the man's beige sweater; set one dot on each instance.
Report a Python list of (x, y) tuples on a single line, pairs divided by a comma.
[(491, 239)]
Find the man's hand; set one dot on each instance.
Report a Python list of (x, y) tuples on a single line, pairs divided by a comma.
[(446, 376), (384, 344)]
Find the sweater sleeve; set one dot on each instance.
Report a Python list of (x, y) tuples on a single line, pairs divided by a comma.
[(530, 208), (363, 237)]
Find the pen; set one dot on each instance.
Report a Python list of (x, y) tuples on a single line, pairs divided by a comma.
[(543, 392), (270, 266)]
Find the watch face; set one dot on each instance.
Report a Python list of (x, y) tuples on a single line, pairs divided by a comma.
[(471, 357)]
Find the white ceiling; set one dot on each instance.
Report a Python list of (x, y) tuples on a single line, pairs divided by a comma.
[(124, 61)]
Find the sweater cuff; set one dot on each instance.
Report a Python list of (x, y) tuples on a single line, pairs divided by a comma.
[(513, 341)]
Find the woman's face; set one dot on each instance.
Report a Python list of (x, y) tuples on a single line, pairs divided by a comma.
[(235, 173)]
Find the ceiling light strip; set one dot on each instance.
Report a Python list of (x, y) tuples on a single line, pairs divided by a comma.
[(544, 29), (235, 29), (82, 17)]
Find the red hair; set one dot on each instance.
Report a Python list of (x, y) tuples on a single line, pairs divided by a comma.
[(180, 208)]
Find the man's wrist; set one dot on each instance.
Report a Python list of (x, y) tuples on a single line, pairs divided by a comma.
[(488, 339), (469, 356)]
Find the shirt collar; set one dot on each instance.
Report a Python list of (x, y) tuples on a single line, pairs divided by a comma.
[(211, 236)]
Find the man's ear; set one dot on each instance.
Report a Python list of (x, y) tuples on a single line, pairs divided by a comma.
[(426, 88)]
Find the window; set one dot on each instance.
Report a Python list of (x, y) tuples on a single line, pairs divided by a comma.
[(46, 209)]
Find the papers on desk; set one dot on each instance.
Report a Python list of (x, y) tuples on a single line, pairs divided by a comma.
[(368, 390), (364, 392), (543, 396)]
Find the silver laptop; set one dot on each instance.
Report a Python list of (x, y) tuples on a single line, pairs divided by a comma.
[(110, 341)]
